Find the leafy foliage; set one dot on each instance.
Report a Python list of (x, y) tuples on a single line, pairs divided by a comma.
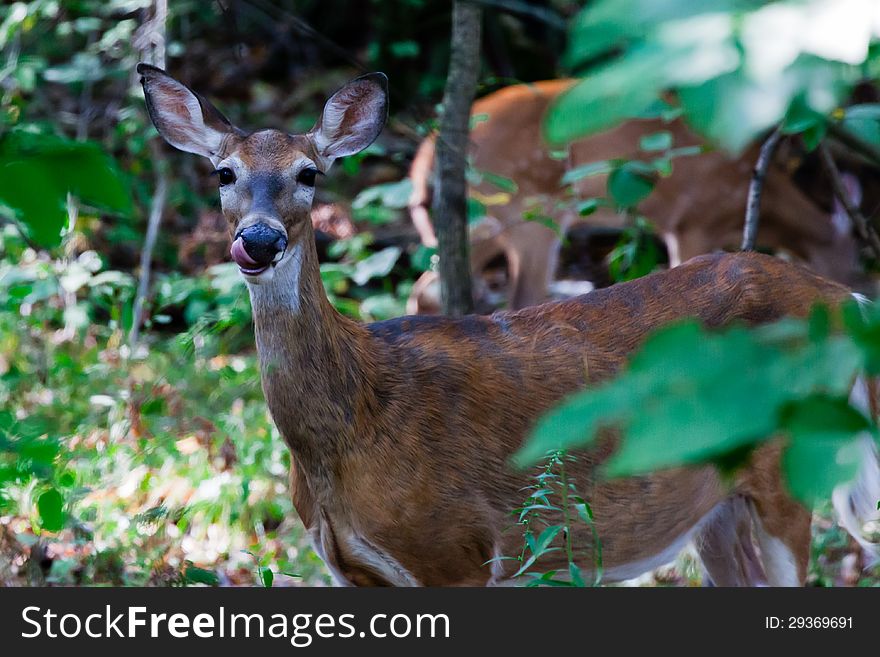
[(155, 467), (738, 66), (629, 182), (636, 254), (554, 493), (694, 396), (40, 170)]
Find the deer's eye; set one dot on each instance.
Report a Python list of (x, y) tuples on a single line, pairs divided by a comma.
[(226, 176), (307, 176)]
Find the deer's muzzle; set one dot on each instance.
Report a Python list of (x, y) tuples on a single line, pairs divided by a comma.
[(256, 247)]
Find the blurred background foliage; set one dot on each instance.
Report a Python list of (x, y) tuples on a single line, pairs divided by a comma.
[(153, 461)]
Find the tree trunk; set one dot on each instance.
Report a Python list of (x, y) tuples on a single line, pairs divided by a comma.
[(450, 192)]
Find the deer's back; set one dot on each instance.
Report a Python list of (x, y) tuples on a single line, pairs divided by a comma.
[(605, 326), (454, 398)]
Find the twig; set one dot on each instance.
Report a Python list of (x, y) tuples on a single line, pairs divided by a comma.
[(155, 42), (157, 206), (10, 218), (864, 228), (756, 186), (853, 142)]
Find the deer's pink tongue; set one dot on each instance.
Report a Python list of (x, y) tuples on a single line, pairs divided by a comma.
[(241, 257)]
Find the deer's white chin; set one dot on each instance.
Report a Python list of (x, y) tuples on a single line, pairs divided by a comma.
[(283, 293), (258, 277)]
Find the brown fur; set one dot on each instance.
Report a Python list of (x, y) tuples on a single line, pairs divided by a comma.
[(401, 430)]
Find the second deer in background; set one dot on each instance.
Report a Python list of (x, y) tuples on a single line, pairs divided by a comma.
[(698, 209)]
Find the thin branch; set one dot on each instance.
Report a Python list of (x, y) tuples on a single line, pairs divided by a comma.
[(864, 228), (9, 217), (756, 186), (855, 143), (155, 43), (157, 207)]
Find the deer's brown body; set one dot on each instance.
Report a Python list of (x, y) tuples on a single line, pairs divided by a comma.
[(698, 209), (401, 432)]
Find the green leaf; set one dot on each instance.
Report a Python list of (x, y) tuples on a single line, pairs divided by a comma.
[(598, 103), (575, 574), (38, 170), (40, 452), (588, 207), (267, 576), (657, 141), (736, 108), (377, 265), (477, 119), (804, 120), (421, 260), (814, 467), (630, 184), (195, 575), (501, 182), (867, 130), (800, 117), (691, 395), (863, 325), (660, 109), (476, 211), (821, 416), (733, 109), (635, 254), (34, 426), (866, 111), (686, 151), (526, 565), (404, 49), (663, 166), (605, 25), (591, 169), (546, 538), (38, 199), (377, 307), (819, 323), (391, 195), (544, 220), (50, 506)]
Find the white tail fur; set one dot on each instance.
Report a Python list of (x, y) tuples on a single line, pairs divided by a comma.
[(856, 501)]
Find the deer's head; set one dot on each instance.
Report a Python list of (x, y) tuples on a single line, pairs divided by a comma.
[(266, 178)]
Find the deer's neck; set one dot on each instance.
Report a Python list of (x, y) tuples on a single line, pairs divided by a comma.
[(312, 360)]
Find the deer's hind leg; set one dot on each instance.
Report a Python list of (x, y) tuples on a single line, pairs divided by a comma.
[(726, 549), (781, 524), (782, 528)]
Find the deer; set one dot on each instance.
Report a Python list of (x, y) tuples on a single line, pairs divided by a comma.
[(697, 209), (401, 431)]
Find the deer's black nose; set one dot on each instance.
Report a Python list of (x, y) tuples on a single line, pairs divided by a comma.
[(262, 243)]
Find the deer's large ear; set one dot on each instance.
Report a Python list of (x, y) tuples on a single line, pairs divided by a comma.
[(353, 117), (183, 118)]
